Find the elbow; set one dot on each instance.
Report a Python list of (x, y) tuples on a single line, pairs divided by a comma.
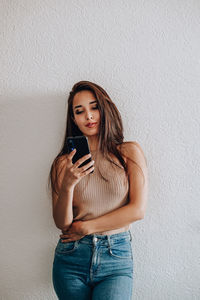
[(61, 226), (141, 214), (141, 217), (138, 214)]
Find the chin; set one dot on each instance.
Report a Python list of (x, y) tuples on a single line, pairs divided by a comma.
[(90, 132)]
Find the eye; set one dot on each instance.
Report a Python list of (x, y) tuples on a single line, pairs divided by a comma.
[(78, 112)]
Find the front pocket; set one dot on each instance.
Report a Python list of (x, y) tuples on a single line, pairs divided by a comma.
[(66, 248), (121, 250)]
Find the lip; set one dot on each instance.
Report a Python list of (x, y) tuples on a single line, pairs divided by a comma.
[(91, 125)]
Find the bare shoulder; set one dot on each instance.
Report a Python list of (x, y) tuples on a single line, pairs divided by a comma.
[(132, 151)]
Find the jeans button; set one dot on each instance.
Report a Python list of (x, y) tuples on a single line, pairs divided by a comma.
[(95, 239)]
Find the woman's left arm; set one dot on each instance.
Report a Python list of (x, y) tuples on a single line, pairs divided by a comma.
[(138, 194)]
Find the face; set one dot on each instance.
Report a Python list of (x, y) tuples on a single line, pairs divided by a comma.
[(85, 109)]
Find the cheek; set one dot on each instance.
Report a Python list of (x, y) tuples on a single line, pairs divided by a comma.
[(97, 115), (78, 120)]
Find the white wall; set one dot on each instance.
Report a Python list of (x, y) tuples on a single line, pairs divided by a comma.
[(146, 56)]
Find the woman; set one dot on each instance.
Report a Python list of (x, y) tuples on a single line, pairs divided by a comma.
[(93, 258)]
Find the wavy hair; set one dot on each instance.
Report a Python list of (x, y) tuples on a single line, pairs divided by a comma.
[(110, 129)]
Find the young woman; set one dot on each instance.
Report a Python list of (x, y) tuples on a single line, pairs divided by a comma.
[(93, 257)]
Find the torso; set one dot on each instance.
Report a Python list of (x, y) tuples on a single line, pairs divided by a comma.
[(104, 191), (119, 148)]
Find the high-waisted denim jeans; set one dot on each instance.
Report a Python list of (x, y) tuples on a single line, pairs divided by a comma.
[(97, 267)]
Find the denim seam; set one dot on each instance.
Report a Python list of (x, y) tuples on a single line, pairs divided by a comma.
[(67, 251), (112, 254), (121, 257)]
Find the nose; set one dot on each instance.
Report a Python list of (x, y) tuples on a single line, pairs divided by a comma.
[(89, 115)]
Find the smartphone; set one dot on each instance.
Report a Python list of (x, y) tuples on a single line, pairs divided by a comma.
[(82, 148)]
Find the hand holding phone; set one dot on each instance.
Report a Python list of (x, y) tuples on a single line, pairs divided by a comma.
[(80, 143), (73, 172), (79, 163)]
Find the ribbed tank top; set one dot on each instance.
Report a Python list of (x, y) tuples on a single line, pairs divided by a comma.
[(101, 192)]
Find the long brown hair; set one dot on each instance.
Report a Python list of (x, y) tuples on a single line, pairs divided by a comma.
[(110, 129)]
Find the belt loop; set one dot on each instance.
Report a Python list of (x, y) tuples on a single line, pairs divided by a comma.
[(130, 235), (94, 239), (109, 242)]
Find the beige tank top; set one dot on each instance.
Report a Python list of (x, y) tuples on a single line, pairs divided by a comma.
[(101, 192)]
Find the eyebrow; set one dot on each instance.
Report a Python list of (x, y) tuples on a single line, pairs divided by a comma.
[(95, 101)]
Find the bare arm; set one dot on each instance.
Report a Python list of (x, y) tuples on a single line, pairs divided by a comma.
[(138, 193), (62, 202), (63, 212), (116, 219), (133, 211), (67, 176)]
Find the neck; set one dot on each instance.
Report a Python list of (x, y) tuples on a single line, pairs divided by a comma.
[(93, 142)]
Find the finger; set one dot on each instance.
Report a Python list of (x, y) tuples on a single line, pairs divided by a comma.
[(82, 159), (84, 168), (72, 153), (72, 239), (88, 171), (67, 238), (66, 241), (64, 236)]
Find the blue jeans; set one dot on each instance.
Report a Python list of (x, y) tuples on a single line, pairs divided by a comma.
[(96, 267)]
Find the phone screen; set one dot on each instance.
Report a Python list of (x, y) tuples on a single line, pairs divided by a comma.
[(82, 148)]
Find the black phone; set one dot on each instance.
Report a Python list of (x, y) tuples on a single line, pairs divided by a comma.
[(82, 148)]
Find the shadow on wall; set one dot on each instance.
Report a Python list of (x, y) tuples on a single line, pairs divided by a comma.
[(31, 133)]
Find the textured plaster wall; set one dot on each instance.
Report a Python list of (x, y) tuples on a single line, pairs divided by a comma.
[(146, 55)]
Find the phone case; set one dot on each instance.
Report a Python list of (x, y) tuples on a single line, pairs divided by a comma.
[(82, 148)]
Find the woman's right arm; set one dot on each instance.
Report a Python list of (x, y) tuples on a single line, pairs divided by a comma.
[(67, 175), (62, 211)]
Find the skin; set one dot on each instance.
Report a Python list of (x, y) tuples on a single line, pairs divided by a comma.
[(136, 207), (87, 111)]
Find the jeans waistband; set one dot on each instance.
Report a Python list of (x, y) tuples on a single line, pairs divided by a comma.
[(106, 239)]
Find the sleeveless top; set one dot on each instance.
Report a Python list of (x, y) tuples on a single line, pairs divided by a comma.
[(101, 192)]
